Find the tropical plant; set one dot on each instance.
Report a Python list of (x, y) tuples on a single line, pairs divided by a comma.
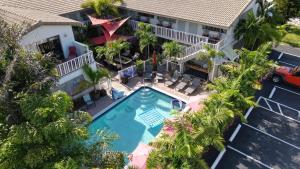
[(172, 49), (287, 8), (94, 76), (139, 66), (112, 49), (103, 7), (209, 54), (38, 128), (255, 31), (195, 133), (146, 37)]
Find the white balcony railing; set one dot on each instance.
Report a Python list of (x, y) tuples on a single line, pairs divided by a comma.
[(172, 34), (75, 64), (198, 42)]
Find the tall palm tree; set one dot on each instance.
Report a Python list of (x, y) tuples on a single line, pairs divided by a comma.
[(95, 76), (146, 37), (103, 7), (112, 49), (255, 31), (172, 49)]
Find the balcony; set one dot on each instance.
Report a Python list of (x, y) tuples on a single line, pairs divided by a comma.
[(172, 34), (75, 64)]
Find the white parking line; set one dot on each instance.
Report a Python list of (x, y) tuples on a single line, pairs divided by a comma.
[(272, 92), (287, 63), (280, 114), (218, 159), (276, 138), (292, 54), (235, 133), (279, 57), (248, 112), (288, 90), (279, 105), (246, 155)]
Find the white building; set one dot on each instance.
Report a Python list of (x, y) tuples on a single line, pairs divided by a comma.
[(47, 32), (193, 23)]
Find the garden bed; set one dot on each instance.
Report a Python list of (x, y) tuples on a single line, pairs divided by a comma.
[(291, 35)]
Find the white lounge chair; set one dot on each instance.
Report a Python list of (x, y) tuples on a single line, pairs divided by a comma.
[(87, 99), (195, 84), (173, 80)]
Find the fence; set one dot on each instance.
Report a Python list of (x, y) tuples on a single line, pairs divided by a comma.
[(75, 64)]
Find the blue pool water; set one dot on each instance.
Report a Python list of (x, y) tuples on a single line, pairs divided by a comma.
[(138, 118)]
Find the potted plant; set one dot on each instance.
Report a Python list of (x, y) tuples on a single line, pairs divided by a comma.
[(94, 77), (124, 79), (139, 67)]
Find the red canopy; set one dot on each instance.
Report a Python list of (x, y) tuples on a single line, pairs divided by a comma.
[(109, 28), (97, 21), (112, 27)]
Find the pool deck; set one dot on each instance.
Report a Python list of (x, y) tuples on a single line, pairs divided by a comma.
[(198, 96)]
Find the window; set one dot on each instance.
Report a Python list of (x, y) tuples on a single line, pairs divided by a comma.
[(214, 29), (193, 28)]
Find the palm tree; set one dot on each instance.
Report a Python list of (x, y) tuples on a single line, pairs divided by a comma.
[(103, 7), (146, 37), (112, 49), (209, 55), (255, 31), (172, 49), (95, 76)]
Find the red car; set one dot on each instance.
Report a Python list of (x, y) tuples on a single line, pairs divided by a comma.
[(287, 74)]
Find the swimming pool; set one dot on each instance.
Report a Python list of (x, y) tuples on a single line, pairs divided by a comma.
[(137, 118)]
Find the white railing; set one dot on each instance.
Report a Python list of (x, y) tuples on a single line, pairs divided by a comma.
[(198, 42), (75, 64), (172, 34)]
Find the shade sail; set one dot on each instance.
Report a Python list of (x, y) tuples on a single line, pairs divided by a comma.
[(97, 21), (112, 27)]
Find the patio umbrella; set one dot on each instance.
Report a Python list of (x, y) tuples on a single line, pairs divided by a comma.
[(138, 157), (154, 58)]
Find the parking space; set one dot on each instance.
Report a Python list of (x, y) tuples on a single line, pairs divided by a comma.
[(235, 159), (287, 97), (267, 149), (289, 60), (276, 125), (271, 136)]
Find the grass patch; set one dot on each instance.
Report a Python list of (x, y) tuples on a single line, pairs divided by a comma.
[(291, 35)]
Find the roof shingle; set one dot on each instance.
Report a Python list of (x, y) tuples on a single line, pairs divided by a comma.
[(219, 13), (33, 17)]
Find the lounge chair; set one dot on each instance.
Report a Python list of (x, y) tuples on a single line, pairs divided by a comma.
[(130, 72), (173, 80), (185, 81), (87, 99), (148, 74), (195, 84), (159, 77), (116, 94)]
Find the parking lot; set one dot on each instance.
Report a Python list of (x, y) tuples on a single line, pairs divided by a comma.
[(271, 136)]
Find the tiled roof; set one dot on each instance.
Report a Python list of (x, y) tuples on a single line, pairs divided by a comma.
[(33, 17), (221, 13), (53, 6)]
